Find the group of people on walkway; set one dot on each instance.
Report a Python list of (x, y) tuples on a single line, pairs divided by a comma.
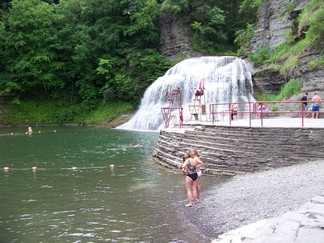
[(191, 167), (315, 106), (260, 109), (313, 111)]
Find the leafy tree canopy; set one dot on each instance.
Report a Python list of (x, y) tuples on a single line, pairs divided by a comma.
[(89, 51)]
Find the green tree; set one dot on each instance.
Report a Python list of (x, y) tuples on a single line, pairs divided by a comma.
[(86, 51), (2, 60), (31, 61), (143, 16), (214, 22), (101, 35), (176, 6), (207, 29)]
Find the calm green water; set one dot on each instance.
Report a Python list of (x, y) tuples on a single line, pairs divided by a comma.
[(135, 202)]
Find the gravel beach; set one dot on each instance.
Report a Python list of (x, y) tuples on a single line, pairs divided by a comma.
[(245, 199)]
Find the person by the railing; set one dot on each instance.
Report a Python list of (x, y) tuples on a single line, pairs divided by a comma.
[(304, 100), (261, 108), (233, 111), (181, 115), (316, 105)]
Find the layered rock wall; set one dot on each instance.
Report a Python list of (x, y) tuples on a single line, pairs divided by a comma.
[(276, 20), (174, 36), (233, 150), (274, 23)]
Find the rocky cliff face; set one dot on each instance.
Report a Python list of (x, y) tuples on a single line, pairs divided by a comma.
[(275, 21), (174, 36)]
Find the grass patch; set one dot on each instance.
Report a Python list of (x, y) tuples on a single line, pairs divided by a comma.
[(31, 112), (53, 112), (109, 111), (291, 88)]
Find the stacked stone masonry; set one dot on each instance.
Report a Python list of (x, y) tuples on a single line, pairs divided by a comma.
[(233, 150)]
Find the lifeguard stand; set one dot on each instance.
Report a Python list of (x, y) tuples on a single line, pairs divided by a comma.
[(167, 111), (198, 109)]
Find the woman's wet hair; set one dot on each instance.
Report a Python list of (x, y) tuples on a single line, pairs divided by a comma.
[(186, 155), (192, 154), (196, 152)]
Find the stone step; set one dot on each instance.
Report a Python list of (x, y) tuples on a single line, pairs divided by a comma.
[(174, 161), (229, 143), (235, 129), (247, 143), (238, 135), (222, 150), (242, 149), (205, 146), (210, 151), (164, 151), (169, 151)]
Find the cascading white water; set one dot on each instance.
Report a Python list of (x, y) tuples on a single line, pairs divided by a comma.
[(226, 79)]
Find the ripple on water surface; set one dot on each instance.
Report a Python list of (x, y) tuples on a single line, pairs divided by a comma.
[(75, 196)]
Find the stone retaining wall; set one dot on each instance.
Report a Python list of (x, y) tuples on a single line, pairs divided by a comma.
[(231, 150)]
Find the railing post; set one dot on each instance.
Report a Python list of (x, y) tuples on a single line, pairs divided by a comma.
[(302, 114), (250, 115), (229, 113), (261, 117), (211, 110)]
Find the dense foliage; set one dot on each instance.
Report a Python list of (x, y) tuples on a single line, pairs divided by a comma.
[(86, 51), (80, 54), (214, 23), (79, 51), (49, 112)]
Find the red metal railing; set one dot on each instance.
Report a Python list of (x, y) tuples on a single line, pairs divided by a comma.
[(167, 111), (249, 110)]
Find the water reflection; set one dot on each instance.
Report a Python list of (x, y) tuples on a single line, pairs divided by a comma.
[(75, 196)]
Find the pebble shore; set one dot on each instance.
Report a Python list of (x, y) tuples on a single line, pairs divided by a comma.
[(251, 200)]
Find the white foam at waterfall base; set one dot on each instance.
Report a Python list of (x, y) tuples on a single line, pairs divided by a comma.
[(226, 79)]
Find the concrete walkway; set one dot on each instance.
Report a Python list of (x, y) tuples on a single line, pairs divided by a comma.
[(306, 225), (267, 122)]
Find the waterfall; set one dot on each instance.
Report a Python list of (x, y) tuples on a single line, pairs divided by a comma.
[(226, 79)]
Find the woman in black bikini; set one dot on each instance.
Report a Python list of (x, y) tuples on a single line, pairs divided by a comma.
[(189, 167)]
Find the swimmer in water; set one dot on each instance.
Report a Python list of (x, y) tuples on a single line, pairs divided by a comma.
[(30, 131)]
